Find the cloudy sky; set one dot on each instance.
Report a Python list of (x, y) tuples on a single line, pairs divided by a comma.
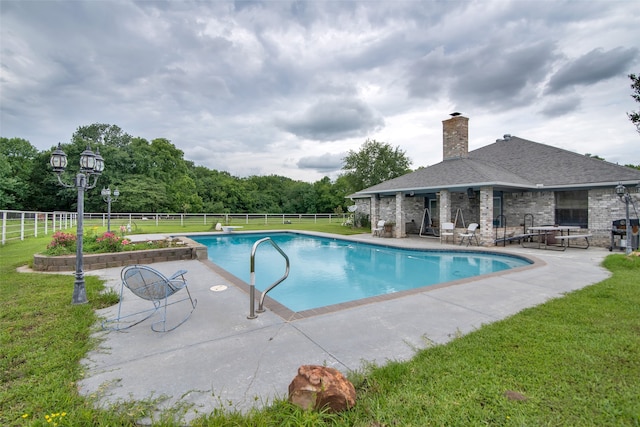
[(289, 87)]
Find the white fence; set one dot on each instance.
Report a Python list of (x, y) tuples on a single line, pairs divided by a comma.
[(18, 225)]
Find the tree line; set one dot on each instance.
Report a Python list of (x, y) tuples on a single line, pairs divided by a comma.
[(153, 176)]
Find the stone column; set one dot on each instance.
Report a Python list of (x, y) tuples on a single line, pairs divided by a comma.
[(375, 212), (445, 206), (400, 228), (486, 217)]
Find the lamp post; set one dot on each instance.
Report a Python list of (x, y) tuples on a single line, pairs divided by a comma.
[(91, 164), (624, 195), (106, 196)]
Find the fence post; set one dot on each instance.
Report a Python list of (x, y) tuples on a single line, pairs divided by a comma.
[(22, 226), (35, 224), (4, 226)]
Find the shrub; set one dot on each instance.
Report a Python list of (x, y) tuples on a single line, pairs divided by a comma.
[(62, 243), (65, 244), (108, 242)]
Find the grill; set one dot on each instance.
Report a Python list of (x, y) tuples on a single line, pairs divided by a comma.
[(619, 234)]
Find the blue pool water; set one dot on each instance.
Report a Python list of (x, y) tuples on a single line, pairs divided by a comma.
[(327, 271)]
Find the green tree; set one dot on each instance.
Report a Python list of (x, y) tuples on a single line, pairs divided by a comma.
[(268, 193), (634, 116), (183, 196), (167, 161), (374, 163), (329, 196), (299, 197), (8, 184), (18, 156), (140, 193)]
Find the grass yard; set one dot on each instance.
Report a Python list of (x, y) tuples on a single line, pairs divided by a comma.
[(571, 361)]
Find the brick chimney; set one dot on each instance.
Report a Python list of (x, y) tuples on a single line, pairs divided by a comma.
[(455, 137)]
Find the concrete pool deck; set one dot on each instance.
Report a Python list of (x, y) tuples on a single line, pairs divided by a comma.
[(221, 359)]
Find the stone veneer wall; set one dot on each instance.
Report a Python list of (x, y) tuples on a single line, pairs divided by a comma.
[(605, 207), (540, 204), (413, 208), (388, 208), (191, 250)]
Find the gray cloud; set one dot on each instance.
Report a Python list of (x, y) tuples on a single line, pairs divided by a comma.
[(228, 81), (591, 68), (561, 106), (327, 162), (494, 75), (333, 119)]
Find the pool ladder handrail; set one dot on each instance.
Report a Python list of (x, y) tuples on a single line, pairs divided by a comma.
[(252, 286)]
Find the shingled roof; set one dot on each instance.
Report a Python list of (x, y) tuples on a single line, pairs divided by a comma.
[(511, 163)]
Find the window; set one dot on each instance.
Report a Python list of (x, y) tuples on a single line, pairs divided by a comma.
[(572, 208), (497, 211)]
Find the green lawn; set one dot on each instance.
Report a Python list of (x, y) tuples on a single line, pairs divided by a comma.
[(574, 360)]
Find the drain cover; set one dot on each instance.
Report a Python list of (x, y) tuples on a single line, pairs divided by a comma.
[(218, 288)]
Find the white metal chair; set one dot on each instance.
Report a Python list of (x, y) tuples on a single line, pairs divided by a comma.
[(377, 231), (446, 230), (470, 234), (151, 285)]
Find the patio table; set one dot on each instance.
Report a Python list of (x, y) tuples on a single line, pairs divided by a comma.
[(544, 231)]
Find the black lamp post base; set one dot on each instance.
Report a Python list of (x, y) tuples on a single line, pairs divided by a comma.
[(79, 292)]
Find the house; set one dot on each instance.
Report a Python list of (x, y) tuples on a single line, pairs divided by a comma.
[(511, 184)]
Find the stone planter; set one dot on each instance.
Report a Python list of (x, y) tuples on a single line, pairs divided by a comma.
[(190, 250)]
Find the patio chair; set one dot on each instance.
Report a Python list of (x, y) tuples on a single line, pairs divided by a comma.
[(470, 234), (446, 230), (379, 228), (149, 284)]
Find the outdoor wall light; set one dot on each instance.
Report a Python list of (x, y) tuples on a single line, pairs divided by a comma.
[(91, 164), (470, 193)]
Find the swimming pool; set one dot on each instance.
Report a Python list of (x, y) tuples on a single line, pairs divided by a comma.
[(327, 271)]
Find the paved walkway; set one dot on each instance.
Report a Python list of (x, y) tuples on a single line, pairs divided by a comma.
[(219, 358)]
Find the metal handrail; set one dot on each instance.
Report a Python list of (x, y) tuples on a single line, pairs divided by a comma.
[(252, 286)]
